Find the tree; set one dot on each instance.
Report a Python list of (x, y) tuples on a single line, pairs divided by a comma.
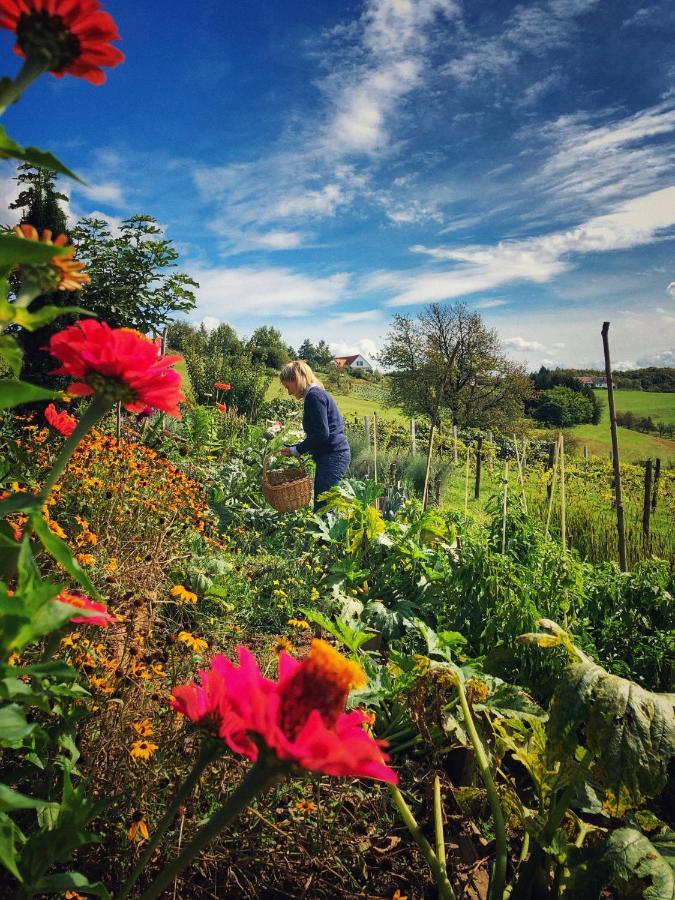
[(132, 282), (268, 348), (563, 407), (39, 201), (219, 356), (480, 387)]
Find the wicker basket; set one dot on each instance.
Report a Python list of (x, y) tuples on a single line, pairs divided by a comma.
[(286, 489)]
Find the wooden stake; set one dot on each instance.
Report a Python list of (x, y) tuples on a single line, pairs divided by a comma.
[(427, 473), (454, 438), (647, 505), (479, 448), (552, 464), (506, 488), (563, 529), (413, 436), (520, 471), (375, 445), (551, 492), (466, 483), (118, 421), (620, 527)]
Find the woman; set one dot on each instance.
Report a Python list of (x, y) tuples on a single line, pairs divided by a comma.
[(326, 441)]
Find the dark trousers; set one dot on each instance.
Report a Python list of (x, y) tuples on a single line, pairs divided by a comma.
[(329, 470)]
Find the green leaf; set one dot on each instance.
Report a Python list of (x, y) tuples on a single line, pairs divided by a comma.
[(31, 321), (14, 392), (11, 800), (10, 836), (9, 149), (19, 502), (61, 553), (630, 731), (628, 862), (19, 251), (11, 352), (13, 726), (72, 881)]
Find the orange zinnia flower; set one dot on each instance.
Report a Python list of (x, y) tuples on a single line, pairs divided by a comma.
[(68, 36), (68, 271), (62, 421)]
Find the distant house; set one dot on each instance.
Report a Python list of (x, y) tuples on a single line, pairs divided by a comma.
[(356, 362), (595, 381)]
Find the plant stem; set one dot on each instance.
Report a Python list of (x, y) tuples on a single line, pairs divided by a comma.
[(438, 826), (95, 411), (259, 778), (498, 880), (10, 91), (209, 751), (445, 891)]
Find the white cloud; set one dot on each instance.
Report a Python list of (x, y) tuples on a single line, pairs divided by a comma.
[(366, 347), (521, 344), (664, 358), (489, 304), (671, 289), (280, 240), (634, 223), (595, 165), (235, 293), (109, 192), (323, 202), (209, 322)]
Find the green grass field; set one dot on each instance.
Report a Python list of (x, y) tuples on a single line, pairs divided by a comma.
[(661, 407), (349, 404)]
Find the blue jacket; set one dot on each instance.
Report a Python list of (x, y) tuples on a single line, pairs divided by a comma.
[(323, 425)]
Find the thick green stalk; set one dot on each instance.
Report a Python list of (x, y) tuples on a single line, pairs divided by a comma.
[(259, 778), (95, 411), (445, 891), (209, 751), (498, 880), (10, 91), (438, 826)]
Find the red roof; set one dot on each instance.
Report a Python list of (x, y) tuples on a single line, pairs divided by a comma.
[(346, 360)]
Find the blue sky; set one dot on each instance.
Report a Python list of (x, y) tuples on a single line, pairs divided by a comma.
[(324, 166)]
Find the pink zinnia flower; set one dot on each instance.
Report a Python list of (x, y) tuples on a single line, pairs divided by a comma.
[(301, 717), (62, 421), (119, 363), (102, 617)]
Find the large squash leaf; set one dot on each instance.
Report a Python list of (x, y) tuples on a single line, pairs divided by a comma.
[(629, 730), (628, 862)]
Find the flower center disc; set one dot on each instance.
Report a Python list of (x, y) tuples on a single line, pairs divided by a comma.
[(40, 34)]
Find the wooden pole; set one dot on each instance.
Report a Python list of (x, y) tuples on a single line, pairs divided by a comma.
[(551, 493), (563, 523), (466, 483), (454, 438), (657, 475), (375, 445), (620, 527), (427, 473), (647, 505), (506, 489), (479, 448), (520, 471), (552, 465), (118, 421), (413, 436)]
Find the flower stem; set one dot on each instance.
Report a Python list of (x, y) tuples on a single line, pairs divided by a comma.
[(258, 779), (10, 91), (209, 751), (95, 411), (498, 881), (445, 891)]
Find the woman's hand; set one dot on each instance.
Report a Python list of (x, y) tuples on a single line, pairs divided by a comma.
[(286, 451)]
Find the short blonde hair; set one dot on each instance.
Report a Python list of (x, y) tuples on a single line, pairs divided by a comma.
[(300, 372)]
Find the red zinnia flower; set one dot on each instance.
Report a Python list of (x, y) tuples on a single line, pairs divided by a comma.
[(102, 617), (300, 717), (119, 363), (222, 407), (219, 385), (62, 421), (67, 35)]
